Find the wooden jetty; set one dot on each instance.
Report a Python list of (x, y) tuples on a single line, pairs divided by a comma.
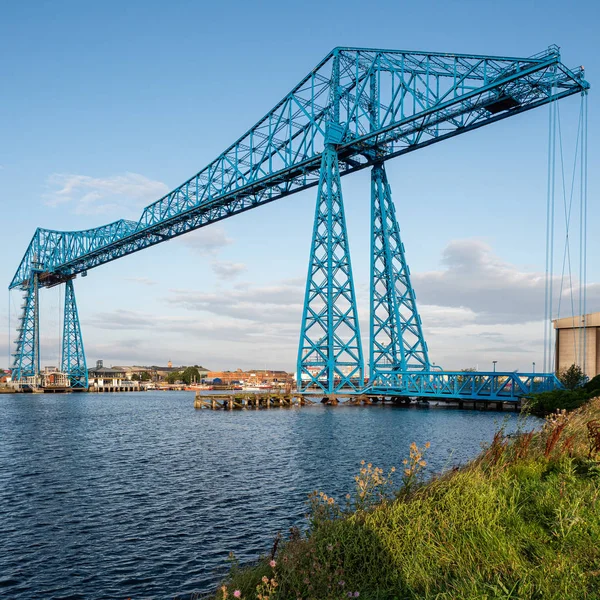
[(263, 400), (249, 400)]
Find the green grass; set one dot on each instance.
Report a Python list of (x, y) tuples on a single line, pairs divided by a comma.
[(521, 521)]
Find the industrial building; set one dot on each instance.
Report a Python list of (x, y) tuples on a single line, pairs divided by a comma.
[(576, 337)]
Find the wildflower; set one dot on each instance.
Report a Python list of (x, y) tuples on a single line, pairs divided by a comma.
[(393, 469), (362, 462), (237, 594), (272, 564), (224, 591), (329, 547), (427, 444), (265, 579), (356, 594), (342, 583)]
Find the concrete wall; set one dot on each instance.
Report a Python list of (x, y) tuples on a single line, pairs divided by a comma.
[(569, 342)]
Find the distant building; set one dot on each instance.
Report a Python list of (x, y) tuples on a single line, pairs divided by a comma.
[(157, 374), (570, 335), (102, 377), (254, 377)]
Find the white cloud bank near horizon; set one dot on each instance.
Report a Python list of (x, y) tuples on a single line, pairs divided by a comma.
[(475, 308)]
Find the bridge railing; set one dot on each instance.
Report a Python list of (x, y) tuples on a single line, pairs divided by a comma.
[(461, 385)]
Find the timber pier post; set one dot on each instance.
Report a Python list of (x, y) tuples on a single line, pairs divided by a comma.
[(246, 401)]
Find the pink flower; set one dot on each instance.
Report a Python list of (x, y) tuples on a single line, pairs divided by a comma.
[(272, 564), (237, 594)]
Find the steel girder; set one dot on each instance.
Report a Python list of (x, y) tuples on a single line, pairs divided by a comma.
[(73, 362), (330, 354), (382, 103), (461, 385), (396, 336), (27, 355)]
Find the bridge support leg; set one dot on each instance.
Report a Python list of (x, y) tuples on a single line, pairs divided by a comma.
[(330, 352), (73, 355), (26, 364), (396, 334)]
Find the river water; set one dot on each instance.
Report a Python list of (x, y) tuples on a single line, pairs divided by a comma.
[(139, 495)]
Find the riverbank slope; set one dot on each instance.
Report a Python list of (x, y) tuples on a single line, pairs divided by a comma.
[(520, 521)]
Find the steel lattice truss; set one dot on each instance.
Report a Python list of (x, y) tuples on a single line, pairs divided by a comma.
[(357, 108), (73, 361), (500, 386), (373, 104), (26, 355), (330, 352), (397, 341)]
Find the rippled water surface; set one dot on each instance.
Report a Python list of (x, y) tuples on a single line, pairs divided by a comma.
[(139, 495)]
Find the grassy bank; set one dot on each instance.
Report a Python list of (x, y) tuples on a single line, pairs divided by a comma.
[(521, 521)]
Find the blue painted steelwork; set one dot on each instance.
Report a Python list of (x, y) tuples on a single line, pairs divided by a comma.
[(362, 105), (73, 362), (330, 354), (461, 385), (26, 363), (396, 336), (384, 103)]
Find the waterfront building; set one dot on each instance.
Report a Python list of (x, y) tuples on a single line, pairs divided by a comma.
[(253, 377), (576, 336), (102, 378)]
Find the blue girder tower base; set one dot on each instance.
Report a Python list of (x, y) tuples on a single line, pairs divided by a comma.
[(73, 362), (330, 354), (26, 364), (396, 336)]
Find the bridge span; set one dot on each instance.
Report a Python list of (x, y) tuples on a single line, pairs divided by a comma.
[(358, 108)]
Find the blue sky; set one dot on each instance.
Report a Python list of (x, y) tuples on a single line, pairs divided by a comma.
[(105, 106)]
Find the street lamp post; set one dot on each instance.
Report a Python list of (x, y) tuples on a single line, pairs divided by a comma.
[(534, 368), (494, 361)]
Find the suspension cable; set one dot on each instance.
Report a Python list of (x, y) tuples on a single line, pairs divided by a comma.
[(548, 361), (583, 245), (8, 334), (568, 210)]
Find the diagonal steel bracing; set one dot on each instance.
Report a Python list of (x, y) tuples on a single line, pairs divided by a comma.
[(330, 352), (385, 102), (396, 336), (73, 362), (27, 353)]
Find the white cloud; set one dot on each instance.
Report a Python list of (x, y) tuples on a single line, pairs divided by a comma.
[(264, 305), (207, 241), (475, 279), (227, 270), (97, 195), (476, 308)]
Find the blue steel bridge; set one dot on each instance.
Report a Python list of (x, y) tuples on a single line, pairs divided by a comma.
[(356, 109)]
